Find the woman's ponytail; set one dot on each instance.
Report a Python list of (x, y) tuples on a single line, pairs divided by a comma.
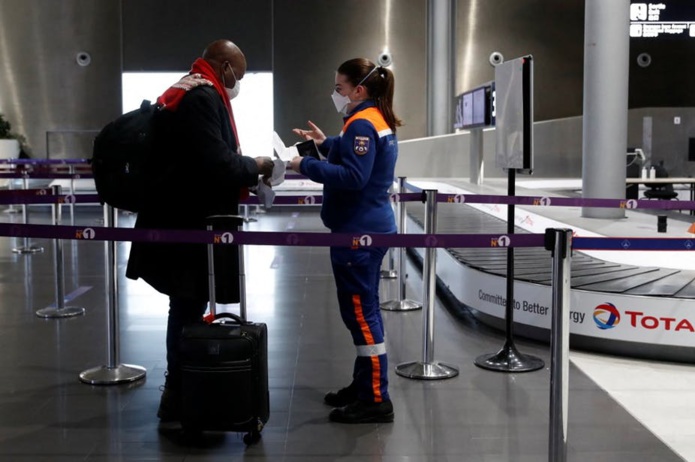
[(384, 101)]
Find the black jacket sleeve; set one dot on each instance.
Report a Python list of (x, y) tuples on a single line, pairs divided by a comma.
[(204, 118)]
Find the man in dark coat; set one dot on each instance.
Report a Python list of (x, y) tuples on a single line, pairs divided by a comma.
[(197, 170)]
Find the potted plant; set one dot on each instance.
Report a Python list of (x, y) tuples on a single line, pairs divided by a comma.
[(9, 141)]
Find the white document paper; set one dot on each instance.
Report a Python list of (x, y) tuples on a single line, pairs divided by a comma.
[(283, 152), (278, 176), (266, 195)]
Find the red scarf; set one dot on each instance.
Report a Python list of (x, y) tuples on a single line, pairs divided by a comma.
[(201, 74)]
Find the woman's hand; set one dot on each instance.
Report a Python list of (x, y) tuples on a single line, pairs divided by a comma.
[(294, 163), (314, 134)]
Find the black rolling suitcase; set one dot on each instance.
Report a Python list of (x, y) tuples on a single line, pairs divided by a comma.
[(224, 365)]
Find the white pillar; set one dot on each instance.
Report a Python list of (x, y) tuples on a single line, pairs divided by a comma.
[(606, 71), (440, 66)]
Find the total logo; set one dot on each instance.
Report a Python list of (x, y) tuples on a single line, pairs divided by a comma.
[(606, 316)]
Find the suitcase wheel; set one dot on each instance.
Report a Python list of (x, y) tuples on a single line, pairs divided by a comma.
[(252, 437)]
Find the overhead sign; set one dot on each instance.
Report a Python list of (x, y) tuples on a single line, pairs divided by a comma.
[(674, 19)]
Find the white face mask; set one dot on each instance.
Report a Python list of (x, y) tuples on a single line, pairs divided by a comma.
[(341, 102), (233, 92)]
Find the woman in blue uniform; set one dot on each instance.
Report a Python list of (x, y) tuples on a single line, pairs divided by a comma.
[(356, 177)]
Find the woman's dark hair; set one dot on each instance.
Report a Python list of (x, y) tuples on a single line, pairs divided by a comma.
[(379, 84)]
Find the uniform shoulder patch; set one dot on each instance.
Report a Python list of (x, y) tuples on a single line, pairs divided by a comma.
[(361, 145)]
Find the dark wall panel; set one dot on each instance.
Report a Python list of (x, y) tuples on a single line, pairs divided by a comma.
[(167, 35), (552, 31), (669, 81), (47, 96), (313, 37)]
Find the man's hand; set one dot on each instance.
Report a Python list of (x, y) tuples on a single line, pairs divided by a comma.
[(265, 168)]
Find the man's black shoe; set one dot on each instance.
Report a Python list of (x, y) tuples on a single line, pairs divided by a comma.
[(169, 406), (362, 412), (342, 397)]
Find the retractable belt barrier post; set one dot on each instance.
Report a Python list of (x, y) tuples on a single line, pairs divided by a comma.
[(428, 368), (246, 217), (401, 303), (390, 271), (59, 310), (10, 185), (509, 358), (27, 248), (71, 170), (115, 372), (559, 241)]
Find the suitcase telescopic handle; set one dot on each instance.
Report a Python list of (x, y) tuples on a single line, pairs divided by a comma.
[(236, 318), (226, 222)]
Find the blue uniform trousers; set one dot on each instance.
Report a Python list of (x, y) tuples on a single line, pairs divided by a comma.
[(357, 273)]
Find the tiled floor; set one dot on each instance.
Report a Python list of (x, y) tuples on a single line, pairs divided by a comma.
[(660, 395), (46, 414)]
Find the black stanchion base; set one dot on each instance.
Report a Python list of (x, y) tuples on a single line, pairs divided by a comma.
[(509, 359)]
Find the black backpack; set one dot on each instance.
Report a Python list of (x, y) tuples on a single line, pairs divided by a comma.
[(118, 160)]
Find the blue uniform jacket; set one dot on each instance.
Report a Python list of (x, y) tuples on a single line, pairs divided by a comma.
[(356, 177)]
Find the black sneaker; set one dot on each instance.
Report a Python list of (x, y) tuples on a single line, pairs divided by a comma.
[(342, 397), (169, 406), (363, 412)]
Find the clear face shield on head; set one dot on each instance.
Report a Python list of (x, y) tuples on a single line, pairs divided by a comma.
[(341, 102)]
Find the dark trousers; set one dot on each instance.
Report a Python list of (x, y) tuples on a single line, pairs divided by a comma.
[(182, 312), (357, 273)]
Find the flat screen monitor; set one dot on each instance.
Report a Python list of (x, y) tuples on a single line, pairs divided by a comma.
[(514, 114), (473, 109)]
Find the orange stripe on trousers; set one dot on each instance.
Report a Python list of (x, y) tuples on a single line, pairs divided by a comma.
[(376, 365)]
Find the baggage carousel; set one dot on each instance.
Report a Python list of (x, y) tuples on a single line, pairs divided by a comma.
[(625, 309)]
